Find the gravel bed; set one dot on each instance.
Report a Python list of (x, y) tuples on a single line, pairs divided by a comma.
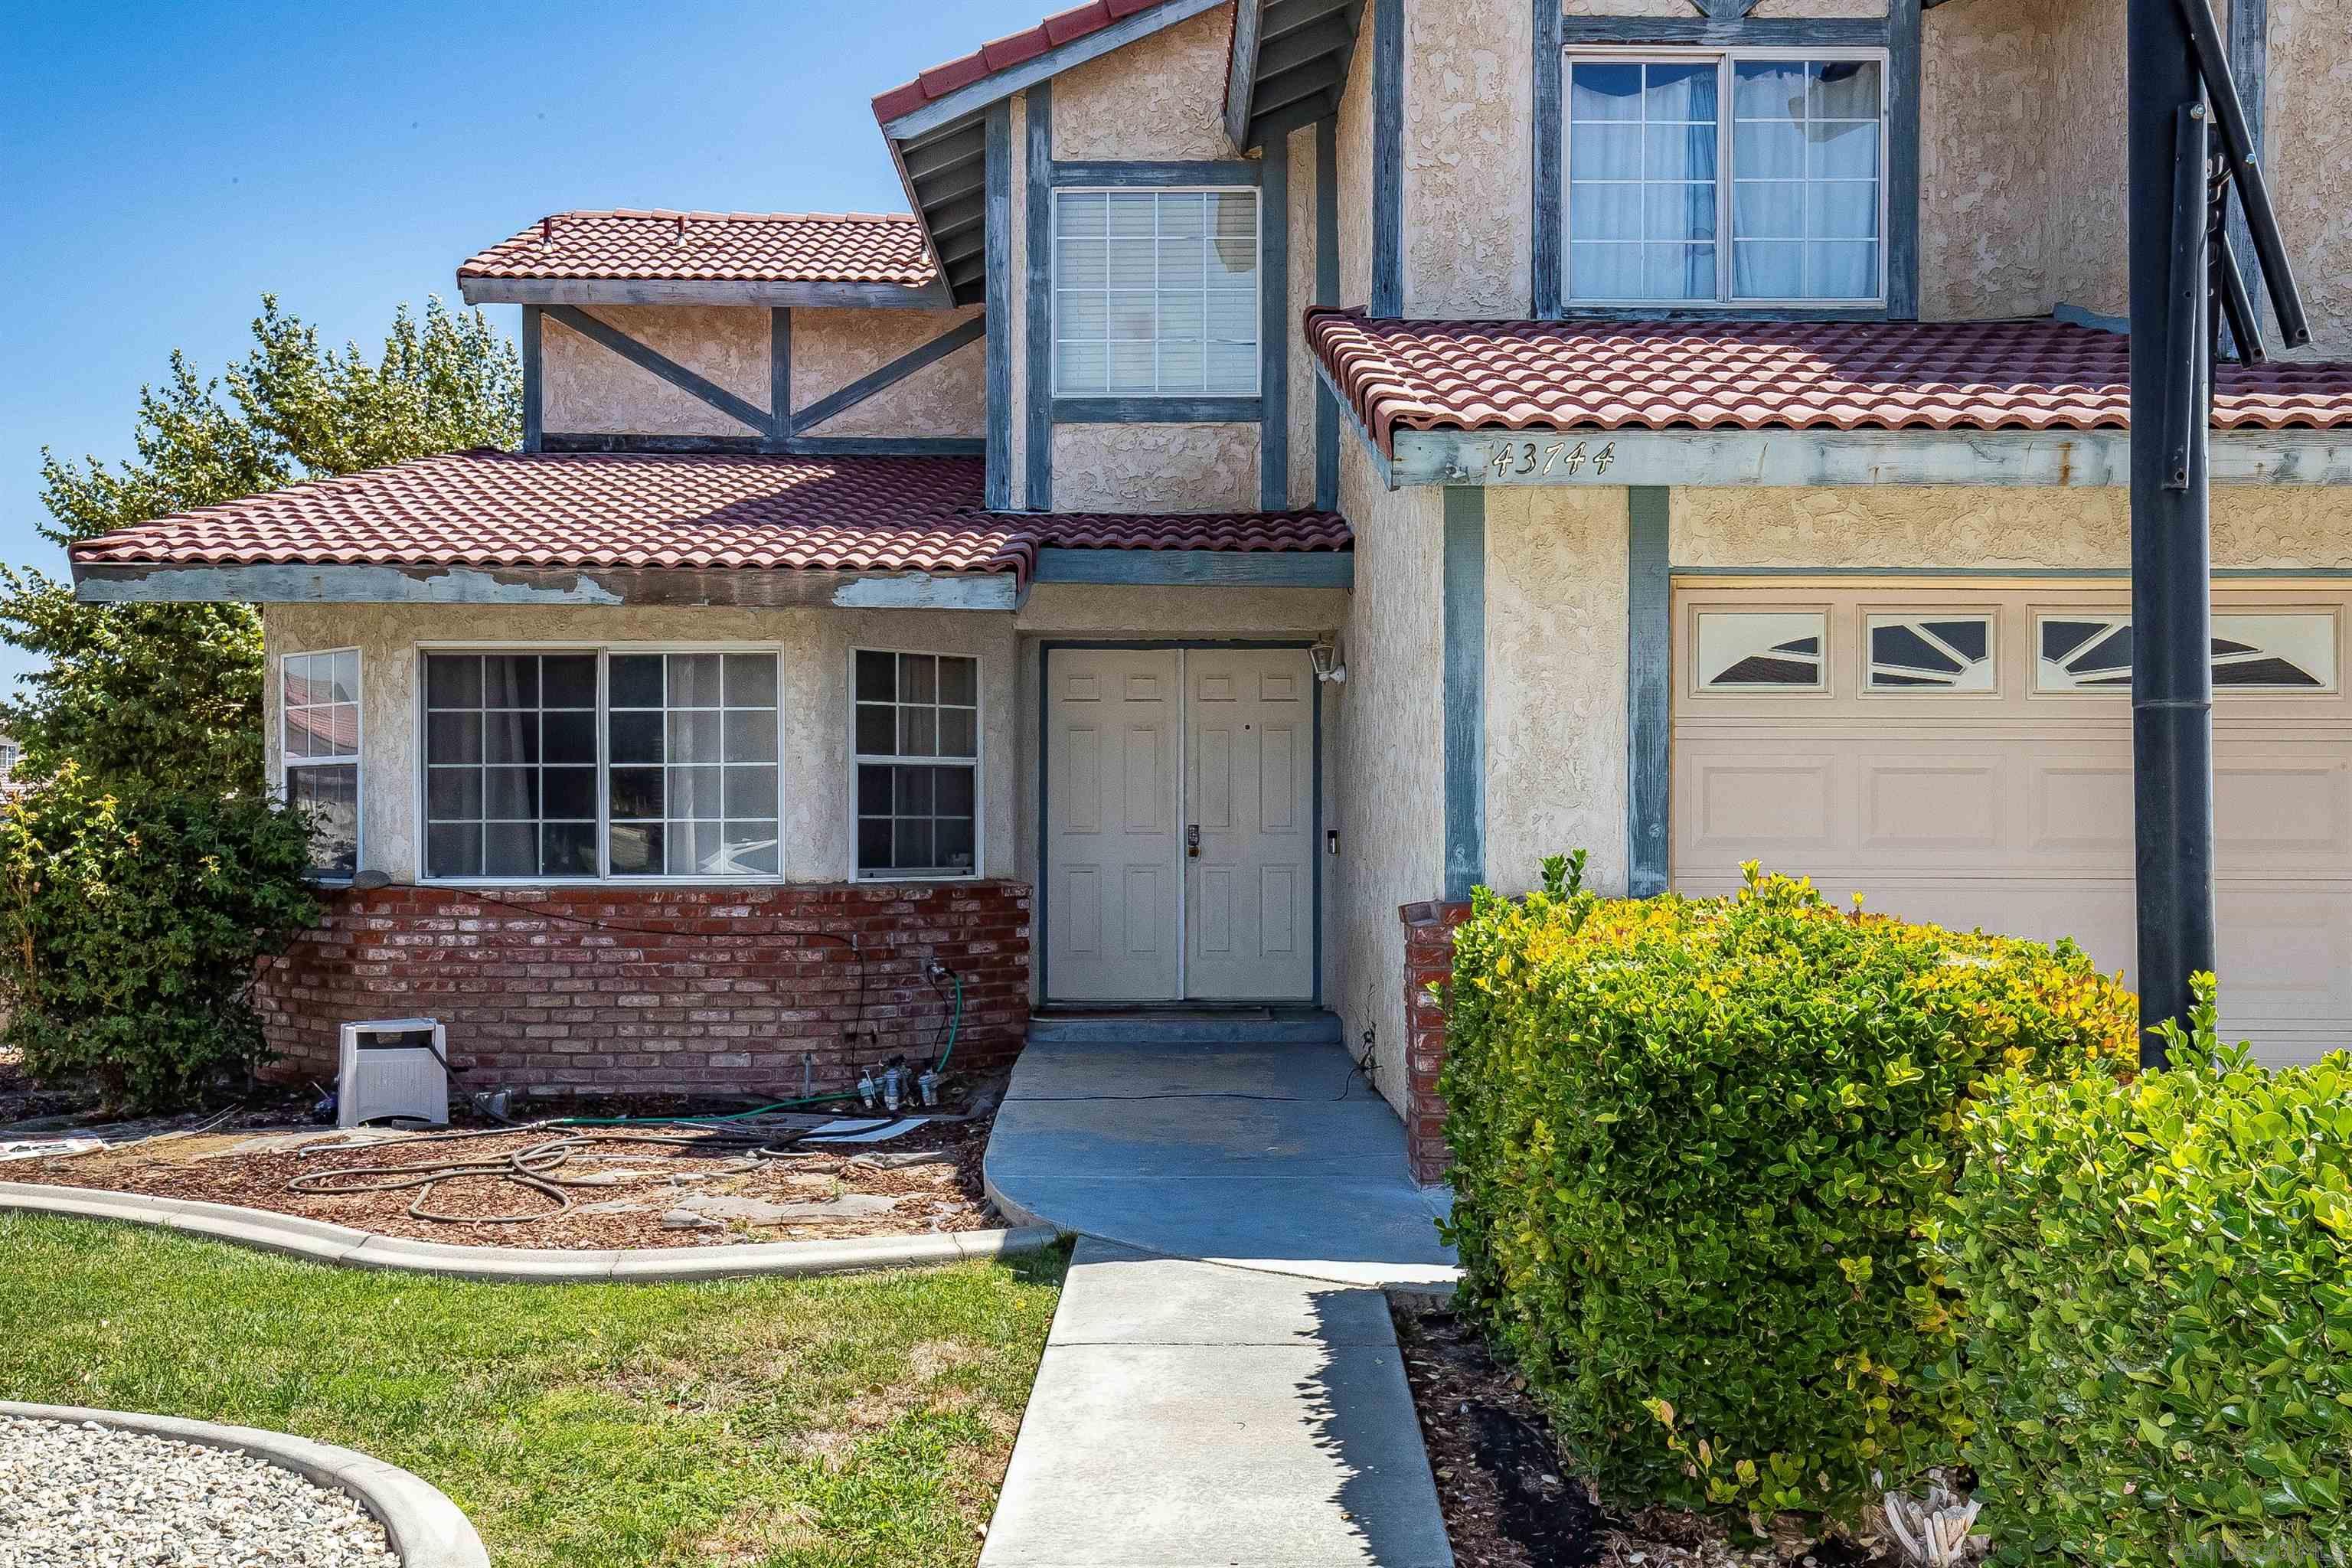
[(90, 1497)]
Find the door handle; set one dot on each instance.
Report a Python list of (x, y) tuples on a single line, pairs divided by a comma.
[(1193, 841)]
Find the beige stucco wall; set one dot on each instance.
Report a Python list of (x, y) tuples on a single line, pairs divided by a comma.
[(833, 348), (1161, 96), (1983, 110), (586, 387), (1469, 109), (1390, 755), (2309, 159), (2285, 527), (1354, 132), (1155, 468), (2078, 130), (1556, 673), (814, 644), (1300, 480)]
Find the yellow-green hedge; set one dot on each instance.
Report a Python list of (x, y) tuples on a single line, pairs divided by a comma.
[(2158, 1346), (1698, 1144)]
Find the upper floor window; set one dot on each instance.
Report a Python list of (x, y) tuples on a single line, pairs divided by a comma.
[(1155, 293), (1741, 177)]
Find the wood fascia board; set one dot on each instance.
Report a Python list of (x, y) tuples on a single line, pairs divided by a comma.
[(1199, 568), (1812, 458), (1240, 72), (700, 292), (1003, 84), (1157, 174), (1785, 32), (1347, 411), (770, 589)]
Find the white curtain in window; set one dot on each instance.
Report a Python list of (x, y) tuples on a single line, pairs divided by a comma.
[(1642, 180), (1804, 193)]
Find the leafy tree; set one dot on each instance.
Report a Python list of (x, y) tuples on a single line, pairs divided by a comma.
[(169, 696)]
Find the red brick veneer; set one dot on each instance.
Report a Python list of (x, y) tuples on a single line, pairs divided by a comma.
[(1428, 960), (653, 989)]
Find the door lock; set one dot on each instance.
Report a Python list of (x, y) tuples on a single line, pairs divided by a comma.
[(1193, 841)]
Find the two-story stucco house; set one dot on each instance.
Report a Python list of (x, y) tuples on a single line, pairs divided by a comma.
[(1299, 459)]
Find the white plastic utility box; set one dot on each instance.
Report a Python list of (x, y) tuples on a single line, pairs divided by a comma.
[(393, 1067)]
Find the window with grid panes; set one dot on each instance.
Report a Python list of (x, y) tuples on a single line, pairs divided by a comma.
[(1155, 293), (319, 698), (693, 749), (918, 764)]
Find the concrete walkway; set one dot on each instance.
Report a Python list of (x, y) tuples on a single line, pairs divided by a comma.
[(1221, 1384)]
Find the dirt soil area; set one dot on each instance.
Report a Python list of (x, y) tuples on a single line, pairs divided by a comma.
[(1512, 1501), (588, 1187)]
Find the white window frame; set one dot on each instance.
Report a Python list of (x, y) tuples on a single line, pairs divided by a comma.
[(874, 759), (1725, 176), (602, 653), (1053, 291), (288, 764)]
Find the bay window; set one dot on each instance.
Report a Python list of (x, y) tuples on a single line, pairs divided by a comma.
[(580, 764), (1726, 178)]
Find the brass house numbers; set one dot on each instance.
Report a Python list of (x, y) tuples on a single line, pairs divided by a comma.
[(1519, 459)]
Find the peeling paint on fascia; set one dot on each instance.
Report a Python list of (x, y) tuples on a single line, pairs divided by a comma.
[(921, 591)]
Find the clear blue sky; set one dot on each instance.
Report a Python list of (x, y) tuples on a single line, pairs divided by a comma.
[(161, 165)]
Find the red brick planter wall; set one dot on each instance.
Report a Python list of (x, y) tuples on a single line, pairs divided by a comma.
[(1428, 960), (659, 990)]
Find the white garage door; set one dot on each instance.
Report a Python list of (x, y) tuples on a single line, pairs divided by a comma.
[(1960, 752)]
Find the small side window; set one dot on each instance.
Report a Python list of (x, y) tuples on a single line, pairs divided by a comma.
[(918, 764), (1760, 650), (320, 737)]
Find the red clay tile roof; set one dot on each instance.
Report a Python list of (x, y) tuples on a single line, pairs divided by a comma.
[(1004, 53), (492, 509), (694, 247), (1757, 375)]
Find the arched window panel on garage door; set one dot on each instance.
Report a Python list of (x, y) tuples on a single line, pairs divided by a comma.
[(1760, 650), (1948, 652), (2266, 655)]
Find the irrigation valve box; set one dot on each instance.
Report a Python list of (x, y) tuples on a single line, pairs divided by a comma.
[(393, 1067)]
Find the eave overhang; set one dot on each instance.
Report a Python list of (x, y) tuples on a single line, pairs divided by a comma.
[(815, 294), (1288, 66)]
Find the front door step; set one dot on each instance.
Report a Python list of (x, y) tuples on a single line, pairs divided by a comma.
[(1220, 1026)]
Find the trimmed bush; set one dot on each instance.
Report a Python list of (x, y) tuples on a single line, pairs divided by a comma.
[(1697, 1145), (130, 929), (2158, 1274)]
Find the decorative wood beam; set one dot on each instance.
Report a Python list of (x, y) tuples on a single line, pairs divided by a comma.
[(998, 86), (1548, 275), (1773, 31), (1465, 695), (1241, 74), (1158, 410), (534, 380), (1904, 52), (780, 588), (1037, 314), (998, 293), (1649, 690), (890, 374), (742, 410), (1327, 292), (1274, 328), (780, 373), (1199, 568), (1388, 159), (789, 445), (1158, 172)]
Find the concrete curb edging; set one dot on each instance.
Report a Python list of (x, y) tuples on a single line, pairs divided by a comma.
[(426, 1530), (323, 1243)]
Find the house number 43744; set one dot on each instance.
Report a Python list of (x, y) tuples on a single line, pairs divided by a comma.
[(1540, 459)]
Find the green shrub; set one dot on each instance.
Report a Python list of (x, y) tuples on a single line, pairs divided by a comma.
[(130, 929), (1697, 1145), (2159, 1273)]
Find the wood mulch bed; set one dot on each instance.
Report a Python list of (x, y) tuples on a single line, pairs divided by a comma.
[(650, 1185), (1511, 1501)]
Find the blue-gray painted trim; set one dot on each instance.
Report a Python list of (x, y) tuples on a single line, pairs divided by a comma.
[(1199, 568), (1388, 159), (2250, 45), (1465, 690), (1346, 411), (1327, 292), (1274, 328), (835, 404), (1649, 692), (884, 447), (534, 382), (998, 86), (2075, 315), (1549, 265), (1241, 70), (750, 588), (1037, 317), (1157, 410), (2276, 574), (998, 487), (1904, 51), (702, 388), (779, 371), (1766, 31), (1039, 891), (1158, 174), (790, 445), (929, 296)]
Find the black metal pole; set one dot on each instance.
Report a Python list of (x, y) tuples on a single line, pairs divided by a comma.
[(2172, 668)]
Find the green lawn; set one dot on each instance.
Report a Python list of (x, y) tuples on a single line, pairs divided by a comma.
[(782, 1424)]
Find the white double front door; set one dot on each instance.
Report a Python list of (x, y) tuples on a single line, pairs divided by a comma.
[(1180, 824)]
